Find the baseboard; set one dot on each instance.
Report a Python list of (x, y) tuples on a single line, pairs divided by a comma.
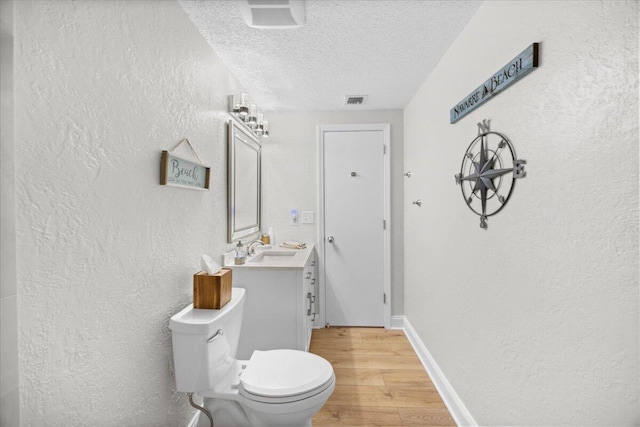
[(459, 412), (397, 322)]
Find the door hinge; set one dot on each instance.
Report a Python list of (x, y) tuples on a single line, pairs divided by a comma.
[(384, 298), (384, 149), (384, 224)]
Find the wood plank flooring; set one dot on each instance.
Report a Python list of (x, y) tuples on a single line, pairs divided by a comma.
[(379, 380)]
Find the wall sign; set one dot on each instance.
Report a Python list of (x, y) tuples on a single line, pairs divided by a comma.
[(484, 174), (517, 68), (179, 172)]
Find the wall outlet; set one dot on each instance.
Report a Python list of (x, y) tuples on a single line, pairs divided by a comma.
[(307, 217)]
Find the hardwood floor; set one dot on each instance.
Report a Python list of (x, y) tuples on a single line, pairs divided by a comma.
[(379, 380)]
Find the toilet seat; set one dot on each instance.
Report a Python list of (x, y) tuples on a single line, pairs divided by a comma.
[(281, 376)]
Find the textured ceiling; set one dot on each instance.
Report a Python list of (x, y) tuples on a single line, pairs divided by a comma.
[(383, 49)]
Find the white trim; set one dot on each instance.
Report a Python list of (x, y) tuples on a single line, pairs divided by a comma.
[(386, 130), (397, 322), (320, 248), (459, 412)]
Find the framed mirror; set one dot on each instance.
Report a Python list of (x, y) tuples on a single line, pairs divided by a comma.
[(243, 182)]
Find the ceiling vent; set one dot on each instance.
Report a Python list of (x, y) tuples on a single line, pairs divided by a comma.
[(272, 14), (355, 99)]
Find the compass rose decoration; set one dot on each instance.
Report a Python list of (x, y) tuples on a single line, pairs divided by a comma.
[(485, 177)]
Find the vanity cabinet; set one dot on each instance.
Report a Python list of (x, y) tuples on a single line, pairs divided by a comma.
[(280, 304)]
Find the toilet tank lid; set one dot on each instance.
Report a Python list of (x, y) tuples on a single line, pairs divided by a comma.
[(202, 321)]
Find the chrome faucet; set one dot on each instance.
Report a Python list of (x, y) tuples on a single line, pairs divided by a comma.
[(251, 250)]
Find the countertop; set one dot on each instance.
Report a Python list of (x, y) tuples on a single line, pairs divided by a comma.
[(280, 258)]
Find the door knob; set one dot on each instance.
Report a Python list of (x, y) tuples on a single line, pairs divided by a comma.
[(417, 203), (330, 239)]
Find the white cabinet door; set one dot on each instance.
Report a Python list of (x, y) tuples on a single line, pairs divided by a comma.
[(271, 311), (279, 307)]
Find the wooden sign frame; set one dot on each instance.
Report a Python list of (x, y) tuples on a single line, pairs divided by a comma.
[(176, 171), (516, 69)]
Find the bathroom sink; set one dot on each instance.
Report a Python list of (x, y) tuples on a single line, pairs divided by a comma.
[(278, 253), (272, 258)]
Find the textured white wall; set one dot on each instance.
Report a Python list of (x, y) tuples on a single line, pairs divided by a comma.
[(290, 178), (106, 254), (535, 320)]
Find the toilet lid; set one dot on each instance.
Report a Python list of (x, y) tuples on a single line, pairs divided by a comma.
[(280, 373)]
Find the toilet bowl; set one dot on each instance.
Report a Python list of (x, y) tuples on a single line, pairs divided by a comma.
[(273, 388)]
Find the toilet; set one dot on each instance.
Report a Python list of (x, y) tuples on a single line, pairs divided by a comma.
[(273, 388)]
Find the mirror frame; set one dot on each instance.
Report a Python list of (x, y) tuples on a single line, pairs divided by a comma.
[(237, 134)]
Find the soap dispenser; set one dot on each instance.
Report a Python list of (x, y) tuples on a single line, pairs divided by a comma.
[(241, 255)]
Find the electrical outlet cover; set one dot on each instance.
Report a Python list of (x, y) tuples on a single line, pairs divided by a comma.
[(307, 217)]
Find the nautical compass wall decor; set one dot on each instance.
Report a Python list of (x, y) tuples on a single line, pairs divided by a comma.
[(488, 173)]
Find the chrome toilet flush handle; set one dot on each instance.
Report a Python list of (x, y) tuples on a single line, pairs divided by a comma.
[(217, 335)]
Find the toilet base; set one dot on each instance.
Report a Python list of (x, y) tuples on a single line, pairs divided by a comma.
[(227, 413), (230, 413), (224, 421)]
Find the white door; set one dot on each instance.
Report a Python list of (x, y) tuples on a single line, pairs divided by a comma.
[(354, 226)]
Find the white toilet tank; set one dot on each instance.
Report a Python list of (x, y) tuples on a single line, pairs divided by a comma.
[(205, 343)]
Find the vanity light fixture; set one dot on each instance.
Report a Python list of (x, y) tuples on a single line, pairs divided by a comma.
[(243, 107), (252, 118), (249, 115), (260, 124)]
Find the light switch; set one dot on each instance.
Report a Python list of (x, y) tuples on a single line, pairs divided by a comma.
[(307, 217), (294, 217)]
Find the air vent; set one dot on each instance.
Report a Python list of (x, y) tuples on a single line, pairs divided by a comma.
[(272, 14), (355, 99)]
